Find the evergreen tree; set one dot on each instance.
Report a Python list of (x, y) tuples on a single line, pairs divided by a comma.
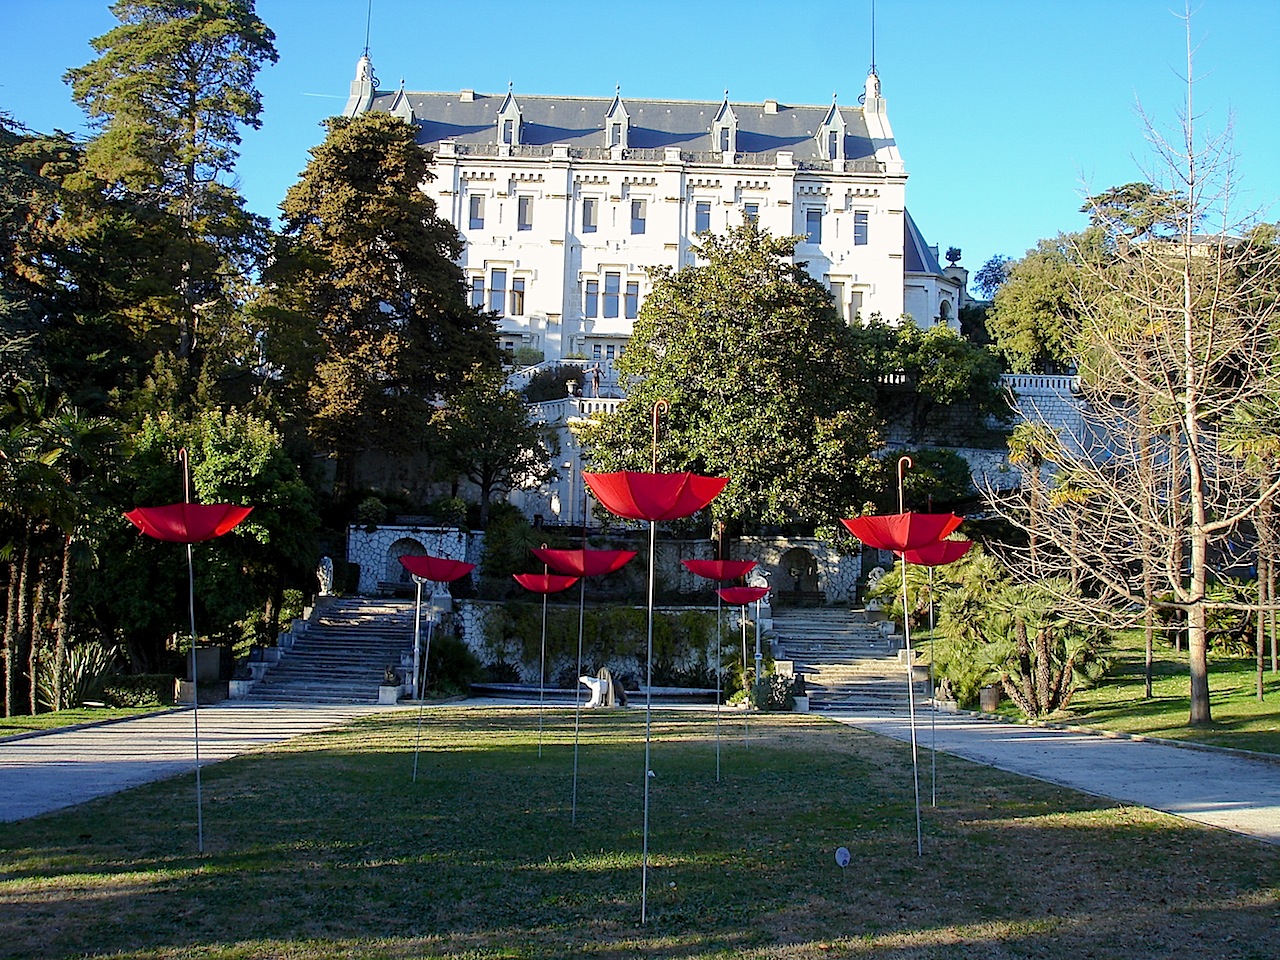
[(366, 309)]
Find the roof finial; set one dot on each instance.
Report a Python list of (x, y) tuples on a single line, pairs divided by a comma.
[(833, 97), (726, 94), (510, 85), (617, 89)]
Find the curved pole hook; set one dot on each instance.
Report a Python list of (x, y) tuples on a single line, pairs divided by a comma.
[(660, 406), (903, 464), (185, 460)]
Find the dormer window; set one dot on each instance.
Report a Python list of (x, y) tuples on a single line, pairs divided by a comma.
[(724, 128), (831, 134), (617, 123), (509, 122)]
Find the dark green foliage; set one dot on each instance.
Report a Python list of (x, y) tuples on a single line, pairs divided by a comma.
[(451, 666), (766, 385), (138, 690)]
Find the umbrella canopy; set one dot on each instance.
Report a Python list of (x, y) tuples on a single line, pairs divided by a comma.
[(937, 554), (902, 531), (436, 569), (719, 569), (584, 563), (654, 496), (188, 522), (742, 595), (544, 582)]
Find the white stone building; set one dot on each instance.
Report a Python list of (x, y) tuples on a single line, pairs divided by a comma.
[(564, 202)]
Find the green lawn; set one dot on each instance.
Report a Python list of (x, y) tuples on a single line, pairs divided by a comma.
[(323, 848), (1239, 719), (10, 726)]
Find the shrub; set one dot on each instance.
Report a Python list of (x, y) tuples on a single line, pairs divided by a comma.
[(139, 690), (452, 667)]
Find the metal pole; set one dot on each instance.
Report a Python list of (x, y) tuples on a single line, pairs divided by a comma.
[(577, 694), (195, 677), (746, 716), (759, 655), (719, 673), (933, 716), (420, 680), (903, 463), (648, 709)]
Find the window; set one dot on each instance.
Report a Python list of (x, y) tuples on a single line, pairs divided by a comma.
[(813, 225), (724, 139), (837, 294), (615, 134), (860, 218), (608, 352), (855, 305), (751, 212), (833, 145), (631, 305), (524, 214), (477, 211), (517, 296), (508, 131), (498, 291), (639, 213), (702, 216), (612, 287), (591, 305), (477, 292), (590, 215)]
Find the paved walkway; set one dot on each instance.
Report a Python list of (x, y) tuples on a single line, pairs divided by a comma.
[(59, 769), (1219, 788), (48, 771)]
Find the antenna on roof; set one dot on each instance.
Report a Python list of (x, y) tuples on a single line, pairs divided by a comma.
[(873, 37), (368, 24)]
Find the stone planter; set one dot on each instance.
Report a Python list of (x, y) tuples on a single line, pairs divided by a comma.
[(239, 688), (802, 705), (285, 641), (271, 654), (390, 693), (258, 668)]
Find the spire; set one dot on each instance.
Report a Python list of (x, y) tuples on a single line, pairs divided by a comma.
[(363, 87)]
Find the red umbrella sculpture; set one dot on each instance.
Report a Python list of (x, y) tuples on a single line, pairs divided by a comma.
[(902, 532), (190, 523), (544, 583), (935, 555), (743, 596), (425, 568), (582, 563), (652, 496), (722, 571)]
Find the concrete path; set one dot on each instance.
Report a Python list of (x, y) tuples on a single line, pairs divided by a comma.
[(48, 771), (1219, 788)]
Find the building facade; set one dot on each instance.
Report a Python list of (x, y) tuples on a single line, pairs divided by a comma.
[(565, 203)]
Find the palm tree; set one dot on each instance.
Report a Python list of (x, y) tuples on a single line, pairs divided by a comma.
[(1031, 445)]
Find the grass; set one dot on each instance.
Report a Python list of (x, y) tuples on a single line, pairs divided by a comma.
[(11, 726), (322, 847), (1240, 720)]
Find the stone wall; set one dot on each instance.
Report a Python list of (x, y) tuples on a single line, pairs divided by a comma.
[(378, 550)]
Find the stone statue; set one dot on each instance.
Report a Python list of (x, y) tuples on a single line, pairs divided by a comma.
[(324, 573)]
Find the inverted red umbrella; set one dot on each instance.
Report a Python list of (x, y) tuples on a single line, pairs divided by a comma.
[(582, 563), (544, 583), (190, 523), (652, 496), (722, 570), (437, 570), (902, 532), (934, 555)]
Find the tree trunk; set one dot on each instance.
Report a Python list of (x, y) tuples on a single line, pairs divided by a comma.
[(1197, 622), (22, 633), (35, 653), (1261, 631), (64, 626), (10, 637)]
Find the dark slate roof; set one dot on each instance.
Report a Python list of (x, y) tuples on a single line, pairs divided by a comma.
[(917, 255), (654, 124)]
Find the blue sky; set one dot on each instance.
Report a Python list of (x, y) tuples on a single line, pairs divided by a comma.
[(1005, 110)]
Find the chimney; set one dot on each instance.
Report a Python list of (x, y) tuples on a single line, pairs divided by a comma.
[(467, 96), (771, 106)]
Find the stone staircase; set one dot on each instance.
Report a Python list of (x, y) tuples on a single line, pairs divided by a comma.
[(343, 654), (848, 664)]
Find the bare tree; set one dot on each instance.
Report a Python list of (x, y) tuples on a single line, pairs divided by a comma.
[(1178, 329)]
